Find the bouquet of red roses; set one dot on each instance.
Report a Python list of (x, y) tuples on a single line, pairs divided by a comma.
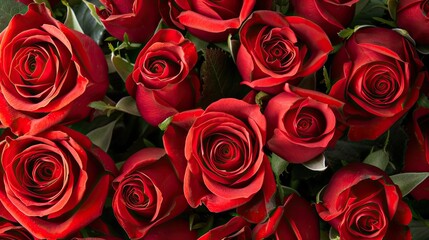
[(204, 119)]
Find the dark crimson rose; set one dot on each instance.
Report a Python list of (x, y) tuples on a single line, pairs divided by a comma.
[(378, 74), (208, 20), (222, 149), (9, 231), (361, 202), (236, 228), (137, 18), (162, 82), (54, 183), (295, 219), (417, 153), (148, 192), (332, 15), (413, 16), (276, 49), (301, 123), (49, 73), (172, 230)]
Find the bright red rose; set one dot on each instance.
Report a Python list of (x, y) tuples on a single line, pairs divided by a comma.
[(148, 192), (295, 219), (54, 183), (417, 153), (222, 149), (276, 49), (301, 123), (162, 82), (413, 16), (235, 228), (137, 18), (362, 202), (332, 15), (11, 231), (378, 74), (49, 73), (211, 21)]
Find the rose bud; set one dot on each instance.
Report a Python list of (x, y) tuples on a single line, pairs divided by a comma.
[(413, 16), (417, 153), (378, 75), (222, 150), (136, 18), (276, 49), (302, 124), (54, 183), (235, 228), (361, 202), (49, 73), (148, 192), (161, 81), (295, 219)]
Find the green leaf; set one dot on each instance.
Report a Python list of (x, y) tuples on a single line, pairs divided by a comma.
[(102, 136), (123, 67), (319, 195), (8, 8), (419, 230), (408, 181), (405, 34), (346, 33), (89, 20), (366, 10), (317, 164), (278, 164), (128, 104), (379, 158), (71, 20), (423, 49), (199, 44), (165, 123), (333, 234), (391, 6), (93, 10), (46, 2), (327, 79)]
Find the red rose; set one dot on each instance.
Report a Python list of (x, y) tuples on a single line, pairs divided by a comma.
[(211, 21), (378, 74), (54, 183), (49, 73), (417, 153), (161, 81), (235, 228), (276, 49), (222, 149), (172, 230), (413, 16), (332, 15), (301, 124), (362, 202), (148, 192), (137, 18), (11, 231), (295, 219)]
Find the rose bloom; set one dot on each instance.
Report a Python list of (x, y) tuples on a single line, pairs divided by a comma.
[(295, 219), (302, 123), (161, 81), (208, 20), (417, 153), (378, 74), (222, 149), (54, 183), (361, 202), (331, 15), (172, 230), (49, 73), (235, 228), (11, 231), (276, 49), (148, 192), (413, 16), (136, 18)]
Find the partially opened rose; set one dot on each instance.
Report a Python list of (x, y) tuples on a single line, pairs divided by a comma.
[(378, 75), (48, 73), (136, 18), (276, 49), (162, 82), (302, 123), (148, 192), (413, 16), (222, 149), (54, 183), (361, 202)]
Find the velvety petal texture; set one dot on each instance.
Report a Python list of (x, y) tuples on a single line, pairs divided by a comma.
[(54, 183), (162, 82), (147, 192), (236, 228), (48, 73), (361, 202), (413, 16), (276, 49), (9, 231), (378, 74)]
